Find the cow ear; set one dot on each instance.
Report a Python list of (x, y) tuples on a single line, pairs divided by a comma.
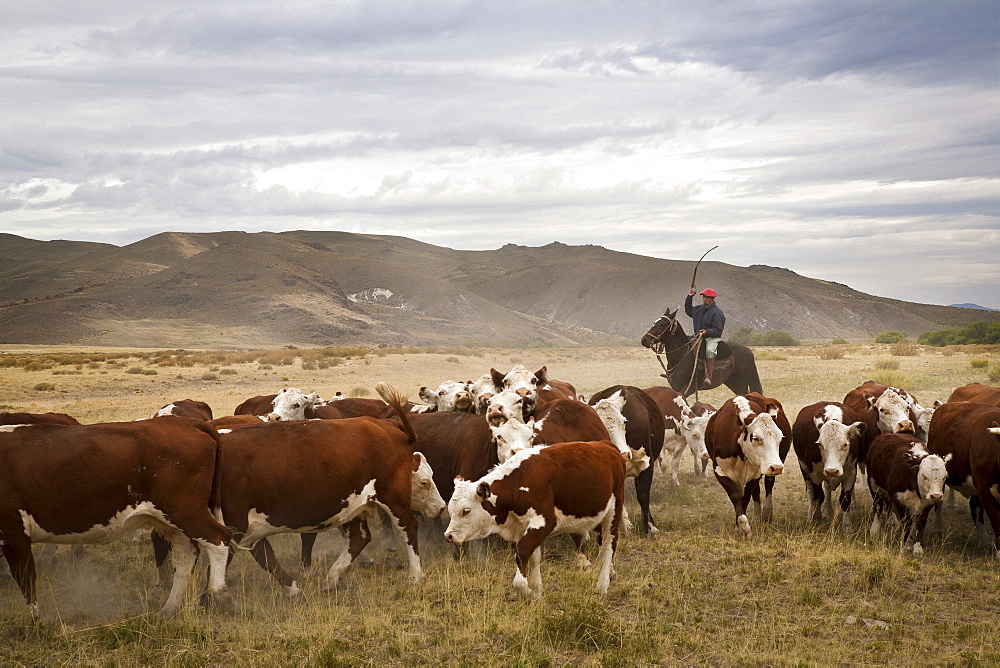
[(483, 490), (947, 457), (871, 401), (627, 456), (771, 408), (938, 403), (860, 428), (497, 379), (418, 459), (541, 376), (527, 407), (460, 477)]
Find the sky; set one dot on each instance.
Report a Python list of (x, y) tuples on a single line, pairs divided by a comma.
[(848, 141)]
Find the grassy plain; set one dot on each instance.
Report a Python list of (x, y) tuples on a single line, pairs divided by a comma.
[(695, 594)]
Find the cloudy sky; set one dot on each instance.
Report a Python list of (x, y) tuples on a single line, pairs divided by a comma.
[(849, 141)]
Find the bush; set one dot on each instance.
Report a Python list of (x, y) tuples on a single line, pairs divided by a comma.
[(209, 376), (136, 369), (359, 392), (994, 375), (891, 378), (905, 349), (890, 336), (886, 364), (779, 337), (978, 332), (227, 372), (44, 387), (979, 363), (839, 341), (149, 372), (743, 335), (830, 353)]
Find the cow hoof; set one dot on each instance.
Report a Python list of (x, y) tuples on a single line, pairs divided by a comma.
[(293, 590), (218, 602), (582, 562), (917, 550)]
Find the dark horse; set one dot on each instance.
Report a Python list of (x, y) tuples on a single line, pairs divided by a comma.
[(736, 369)]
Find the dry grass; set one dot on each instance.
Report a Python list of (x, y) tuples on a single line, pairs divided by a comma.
[(696, 594)]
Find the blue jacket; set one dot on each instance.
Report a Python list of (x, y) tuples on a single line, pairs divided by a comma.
[(710, 318)]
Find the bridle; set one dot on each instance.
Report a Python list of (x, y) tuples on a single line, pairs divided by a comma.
[(658, 346)]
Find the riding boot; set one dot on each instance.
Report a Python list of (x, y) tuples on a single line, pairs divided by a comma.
[(709, 368)]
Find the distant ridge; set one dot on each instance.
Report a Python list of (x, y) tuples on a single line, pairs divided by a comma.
[(974, 306), (236, 289)]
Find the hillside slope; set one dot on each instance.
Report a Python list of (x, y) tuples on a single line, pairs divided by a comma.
[(323, 288)]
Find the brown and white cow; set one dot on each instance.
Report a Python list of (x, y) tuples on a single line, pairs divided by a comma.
[(610, 410), (957, 430), (904, 476), (744, 439), (827, 437), (190, 408), (531, 496), (332, 474), (95, 483), (293, 404), (978, 393), (693, 428), (451, 395), (520, 380), (644, 429), (259, 405), (480, 390), (883, 409), (684, 429)]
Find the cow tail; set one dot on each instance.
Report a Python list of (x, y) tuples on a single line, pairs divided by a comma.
[(754, 383), (392, 397), (215, 495)]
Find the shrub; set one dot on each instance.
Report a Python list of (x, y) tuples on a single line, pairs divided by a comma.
[(227, 372), (891, 378), (890, 336), (135, 369), (149, 372), (743, 335), (209, 376), (830, 353), (905, 349), (978, 332), (979, 363), (886, 364), (453, 360), (994, 375), (44, 387), (779, 337), (359, 392), (839, 341)]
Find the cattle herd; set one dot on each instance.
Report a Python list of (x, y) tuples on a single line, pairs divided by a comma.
[(518, 455)]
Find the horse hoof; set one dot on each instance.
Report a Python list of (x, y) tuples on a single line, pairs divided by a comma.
[(663, 375)]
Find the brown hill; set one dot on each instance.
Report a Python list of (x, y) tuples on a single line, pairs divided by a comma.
[(322, 288)]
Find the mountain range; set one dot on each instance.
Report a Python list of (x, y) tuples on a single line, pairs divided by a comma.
[(238, 289)]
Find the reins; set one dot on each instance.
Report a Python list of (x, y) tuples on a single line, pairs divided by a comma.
[(659, 349)]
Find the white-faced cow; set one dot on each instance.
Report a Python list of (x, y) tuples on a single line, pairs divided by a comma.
[(827, 437), (904, 476), (480, 390), (744, 439), (450, 395), (292, 404), (693, 430), (610, 410), (95, 483), (891, 415), (332, 473), (190, 408), (564, 488), (684, 429), (522, 381), (644, 431)]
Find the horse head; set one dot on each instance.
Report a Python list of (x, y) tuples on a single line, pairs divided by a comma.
[(661, 330)]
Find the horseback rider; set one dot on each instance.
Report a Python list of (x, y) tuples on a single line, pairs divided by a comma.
[(709, 321)]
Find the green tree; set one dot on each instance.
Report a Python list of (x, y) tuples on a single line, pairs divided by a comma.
[(890, 336)]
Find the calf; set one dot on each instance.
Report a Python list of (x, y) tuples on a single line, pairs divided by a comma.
[(94, 483), (903, 476), (693, 430), (680, 433), (186, 408), (827, 438), (644, 430), (332, 473), (533, 494), (744, 440)]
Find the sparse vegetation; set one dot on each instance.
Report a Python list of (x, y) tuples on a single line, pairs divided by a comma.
[(892, 378), (994, 374), (886, 364), (839, 341), (905, 349), (44, 387), (830, 353), (979, 363)]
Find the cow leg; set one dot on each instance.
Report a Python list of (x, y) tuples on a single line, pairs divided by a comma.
[(704, 469), (739, 501), (182, 556), (643, 483), (918, 531), (992, 509), (846, 497), (161, 550), (528, 579), (308, 541), (675, 464), (768, 510), (581, 561), (17, 551), (358, 537), (606, 555), (814, 496), (263, 553), (404, 524)]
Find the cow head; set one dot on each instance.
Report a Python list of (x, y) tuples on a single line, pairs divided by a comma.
[(509, 405), (472, 512), (512, 436), (449, 396), (893, 413), (921, 417), (693, 430), (479, 392), (835, 440), (760, 437), (931, 476), (520, 380), (291, 404), (425, 497), (610, 412)]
